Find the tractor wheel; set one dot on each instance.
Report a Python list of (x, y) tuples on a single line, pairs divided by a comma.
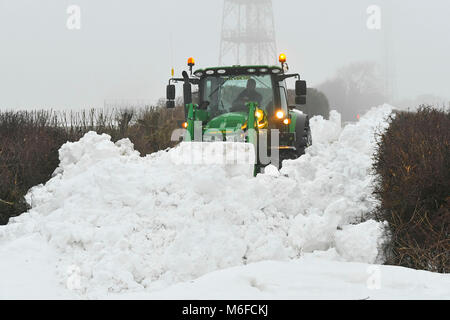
[(287, 155), (304, 142)]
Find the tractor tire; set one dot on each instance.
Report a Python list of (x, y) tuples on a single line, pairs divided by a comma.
[(303, 141)]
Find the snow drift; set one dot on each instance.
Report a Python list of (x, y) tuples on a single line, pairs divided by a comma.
[(307, 278), (129, 222)]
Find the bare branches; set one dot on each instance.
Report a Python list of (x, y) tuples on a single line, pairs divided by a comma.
[(413, 169)]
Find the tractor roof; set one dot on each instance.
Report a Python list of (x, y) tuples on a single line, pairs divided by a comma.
[(239, 70)]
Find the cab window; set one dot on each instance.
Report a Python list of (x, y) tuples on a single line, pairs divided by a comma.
[(231, 93)]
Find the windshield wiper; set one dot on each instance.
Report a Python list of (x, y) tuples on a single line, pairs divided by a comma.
[(217, 89), (265, 85)]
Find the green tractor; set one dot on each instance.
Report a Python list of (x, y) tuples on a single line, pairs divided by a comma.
[(245, 104)]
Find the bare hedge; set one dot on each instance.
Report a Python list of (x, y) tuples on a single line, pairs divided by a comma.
[(413, 168), (29, 143)]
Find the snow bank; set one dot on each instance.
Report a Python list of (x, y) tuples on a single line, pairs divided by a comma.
[(306, 279), (333, 187), (129, 223)]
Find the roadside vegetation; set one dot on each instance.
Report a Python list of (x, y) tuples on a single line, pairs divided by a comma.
[(413, 169), (316, 103), (29, 143)]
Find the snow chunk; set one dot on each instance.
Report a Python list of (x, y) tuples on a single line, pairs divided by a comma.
[(361, 242)]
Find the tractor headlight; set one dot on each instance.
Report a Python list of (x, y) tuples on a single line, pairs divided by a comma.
[(259, 115), (263, 125), (261, 119), (280, 114)]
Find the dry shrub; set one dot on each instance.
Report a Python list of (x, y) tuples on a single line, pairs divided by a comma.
[(29, 143), (413, 168)]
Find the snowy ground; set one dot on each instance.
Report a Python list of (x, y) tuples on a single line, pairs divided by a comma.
[(306, 279), (111, 224)]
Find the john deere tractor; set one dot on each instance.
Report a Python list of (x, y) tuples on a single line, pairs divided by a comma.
[(245, 104)]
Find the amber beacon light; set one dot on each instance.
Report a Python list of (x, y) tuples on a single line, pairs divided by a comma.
[(191, 64)]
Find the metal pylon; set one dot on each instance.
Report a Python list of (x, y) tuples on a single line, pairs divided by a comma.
[(248, 33)]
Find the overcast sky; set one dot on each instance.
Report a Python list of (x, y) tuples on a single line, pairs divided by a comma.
[(123, 49)]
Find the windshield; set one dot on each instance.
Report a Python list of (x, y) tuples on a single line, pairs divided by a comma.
[(231, 93)]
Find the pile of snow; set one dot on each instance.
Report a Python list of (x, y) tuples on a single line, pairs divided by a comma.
[(306, 279), (126, 222), (333, 188)]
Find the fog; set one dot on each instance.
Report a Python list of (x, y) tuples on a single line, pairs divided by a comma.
[(125, 49)]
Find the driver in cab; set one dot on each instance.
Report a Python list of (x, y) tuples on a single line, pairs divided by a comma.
[(248, 95)]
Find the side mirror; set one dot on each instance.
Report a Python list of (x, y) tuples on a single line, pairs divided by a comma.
[(300, 100), (170, 92), (300, 88), (170, 104)]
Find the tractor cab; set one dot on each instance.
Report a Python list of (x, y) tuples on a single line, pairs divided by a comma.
[(230, 101)]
